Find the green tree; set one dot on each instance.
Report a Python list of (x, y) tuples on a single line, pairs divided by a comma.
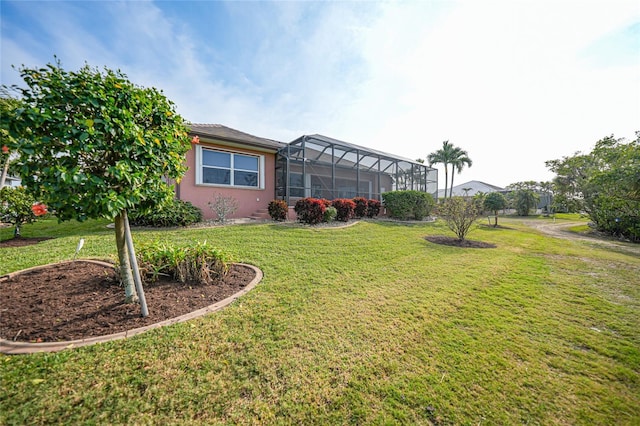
[(459, 160), (16, 207), (525, 199), (459, 214), (443, 156), (494, 201), (92, 144), (605, 184), (449, 154)]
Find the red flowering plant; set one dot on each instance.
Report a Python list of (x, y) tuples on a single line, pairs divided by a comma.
[(16, 207), (345, 208), (39, 209), (278, 210), (361, 207), (373, 208), (310, 210)]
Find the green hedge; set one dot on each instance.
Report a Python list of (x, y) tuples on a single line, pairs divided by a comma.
[(408, 204), (175, 213)]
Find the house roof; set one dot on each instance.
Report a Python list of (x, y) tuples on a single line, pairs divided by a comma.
[(356, 147), (220, 132), (474, 187)]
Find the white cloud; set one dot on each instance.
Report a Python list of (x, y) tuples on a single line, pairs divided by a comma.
[(513, 83)]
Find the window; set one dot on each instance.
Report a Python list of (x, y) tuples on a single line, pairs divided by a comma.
[(229, 168)]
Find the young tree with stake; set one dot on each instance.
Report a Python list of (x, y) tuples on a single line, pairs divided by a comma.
[(92, 144)]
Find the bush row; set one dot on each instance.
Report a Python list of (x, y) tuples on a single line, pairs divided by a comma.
[(174, 213), (316, 210)]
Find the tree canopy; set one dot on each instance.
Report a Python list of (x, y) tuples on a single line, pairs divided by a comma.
[(449, 154), (92, 144), (605, 184)]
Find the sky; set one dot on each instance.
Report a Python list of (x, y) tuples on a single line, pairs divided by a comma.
[(514, 83)]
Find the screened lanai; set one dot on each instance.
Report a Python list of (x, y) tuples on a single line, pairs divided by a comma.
[(321, 167)]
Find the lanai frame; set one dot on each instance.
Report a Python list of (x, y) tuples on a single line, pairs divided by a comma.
[(322, 167)]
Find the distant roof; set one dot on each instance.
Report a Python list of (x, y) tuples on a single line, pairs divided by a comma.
[(218, 131), (474, 187), (354, 146)]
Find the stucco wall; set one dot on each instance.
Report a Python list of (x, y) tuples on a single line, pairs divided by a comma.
[(249, 200)]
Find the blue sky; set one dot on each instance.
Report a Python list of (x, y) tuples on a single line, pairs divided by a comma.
[(515, 83)]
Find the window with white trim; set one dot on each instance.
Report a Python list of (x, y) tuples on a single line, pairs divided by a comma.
[(227, 168)]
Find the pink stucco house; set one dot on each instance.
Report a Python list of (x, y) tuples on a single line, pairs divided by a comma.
[(256, 170)]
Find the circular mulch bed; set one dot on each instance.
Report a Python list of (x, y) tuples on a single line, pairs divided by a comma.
[(83, 299), (450, 241), (22, 241)]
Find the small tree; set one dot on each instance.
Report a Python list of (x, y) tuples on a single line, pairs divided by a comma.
[(16, 207), (459, 214), (223, 207), (525, 200), (494, 201), (92, 144)]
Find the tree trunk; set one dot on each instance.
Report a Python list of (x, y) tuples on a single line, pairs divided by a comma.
[(453, 172), (134, 264), (130, 295), (495, 225), (5, 170), (446, 179)]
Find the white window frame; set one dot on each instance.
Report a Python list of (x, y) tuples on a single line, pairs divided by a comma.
[(199, 167)]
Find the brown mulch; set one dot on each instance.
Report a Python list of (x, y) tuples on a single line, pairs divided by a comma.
[(22, 241), (451, 241), (78, 300)]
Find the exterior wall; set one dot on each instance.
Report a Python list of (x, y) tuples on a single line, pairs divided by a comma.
[(249, 200)]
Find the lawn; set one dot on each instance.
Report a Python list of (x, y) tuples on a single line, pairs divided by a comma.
[(369, 324)]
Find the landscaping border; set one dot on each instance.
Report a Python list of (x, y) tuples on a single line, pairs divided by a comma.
[(15, 348)]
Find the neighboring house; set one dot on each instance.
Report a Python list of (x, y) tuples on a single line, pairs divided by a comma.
[(255, 170), (12, 181), (472, 188)]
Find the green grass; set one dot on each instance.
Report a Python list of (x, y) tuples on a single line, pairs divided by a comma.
[(369, 324)]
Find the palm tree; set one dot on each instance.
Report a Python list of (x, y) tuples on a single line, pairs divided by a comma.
[(458, 160), (443, 156)]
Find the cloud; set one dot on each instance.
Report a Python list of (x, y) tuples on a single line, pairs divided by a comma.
[(514, 84)]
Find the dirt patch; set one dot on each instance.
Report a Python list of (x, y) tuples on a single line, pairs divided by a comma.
[(78, 300), (451, 241), (22, 241)]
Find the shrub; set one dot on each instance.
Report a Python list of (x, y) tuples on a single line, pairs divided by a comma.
[(493, 202), (373, 208), (408, 204), (459, 214), (361, 208), (330, 214), (223, 207), (199, 263), (174, 213), (17, 207), (345, 209), (278, 210), (310, 210)]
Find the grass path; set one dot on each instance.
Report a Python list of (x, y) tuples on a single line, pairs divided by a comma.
[(369, 324)]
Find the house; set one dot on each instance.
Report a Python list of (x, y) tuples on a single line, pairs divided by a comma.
[(12, 181), (256, 170), (471, 188), (228, 162)]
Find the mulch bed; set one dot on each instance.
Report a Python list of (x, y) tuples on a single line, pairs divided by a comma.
[(22, 241), (78, 300), (451, 241)]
